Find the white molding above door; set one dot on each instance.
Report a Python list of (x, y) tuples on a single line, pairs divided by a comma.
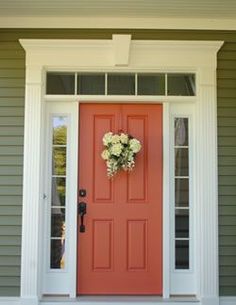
[(98, 55)]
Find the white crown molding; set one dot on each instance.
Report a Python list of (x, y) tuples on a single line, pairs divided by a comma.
[(116, 23)]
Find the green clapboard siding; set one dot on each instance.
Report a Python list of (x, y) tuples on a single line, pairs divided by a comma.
[(12, 78)]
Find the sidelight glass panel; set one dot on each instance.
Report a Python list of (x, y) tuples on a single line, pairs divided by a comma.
[(60, 83), (151, 84), (121, 84), (57, 256), (59, 160), (181, 223), (181, 84), (182, 254), (181, 193), (58, 192)]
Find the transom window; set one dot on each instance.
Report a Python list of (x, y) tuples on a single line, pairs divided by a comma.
[(155, 84)]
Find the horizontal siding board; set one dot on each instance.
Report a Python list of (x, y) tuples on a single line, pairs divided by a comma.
[(12, 131), (12, 101), (227, 220), (227, 131), (11, 170), (227, 291), (227, 161), (12, 111), (12, 53), (11, 160), (11, 141), (11, 150), (10, 240), (12, 64), (227, 251), (225, 73), (10, 291), (12, 92), (10, 260), (227, 141), (6, 281), (227, 230), (10, 210), (10, 180), (10, 190), (12, 251), (12, 82), (227, 180), (9, 270), (8, 73), (227, 112), (10, 221), (11, 200), (10, 231), (226, 200), (226, 122)]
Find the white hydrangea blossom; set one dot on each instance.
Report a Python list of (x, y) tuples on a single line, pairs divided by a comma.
[(107, 138), (119, 153)]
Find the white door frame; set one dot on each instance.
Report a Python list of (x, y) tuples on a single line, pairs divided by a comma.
[(121, 54)]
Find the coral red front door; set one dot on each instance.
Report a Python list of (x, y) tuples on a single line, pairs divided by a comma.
[(120, 251)]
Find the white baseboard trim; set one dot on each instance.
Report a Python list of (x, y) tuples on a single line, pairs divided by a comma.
[(10, 301), (21, 301), (228, 300)]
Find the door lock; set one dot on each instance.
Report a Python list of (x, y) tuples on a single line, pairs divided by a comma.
[(82, 210)]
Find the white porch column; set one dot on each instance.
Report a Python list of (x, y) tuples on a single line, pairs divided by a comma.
[(207, 187), (31, 186)]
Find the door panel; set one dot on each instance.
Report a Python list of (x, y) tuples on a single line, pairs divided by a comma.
[(121, 250)]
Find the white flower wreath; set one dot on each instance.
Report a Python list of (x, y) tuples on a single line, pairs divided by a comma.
[(119, 153)]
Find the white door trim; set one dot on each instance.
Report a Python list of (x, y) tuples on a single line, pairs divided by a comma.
[(97, 55)]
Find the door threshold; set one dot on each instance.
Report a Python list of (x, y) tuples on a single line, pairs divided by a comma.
[(119, 300)]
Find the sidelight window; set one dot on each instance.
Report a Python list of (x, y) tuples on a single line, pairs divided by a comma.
[(58, 192), (181, 196)]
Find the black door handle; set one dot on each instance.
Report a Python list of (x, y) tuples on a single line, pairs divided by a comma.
[(82, 210)]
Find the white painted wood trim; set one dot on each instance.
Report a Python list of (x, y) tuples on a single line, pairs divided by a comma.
[(175, 56), (116, 23), (19, 301)]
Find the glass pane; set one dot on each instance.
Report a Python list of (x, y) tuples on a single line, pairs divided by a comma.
[(58, 83), (181, 223), (181, 192), (57, 254), (58, 191), (182, 254), (59, 130), (59, 161), (181, 132), (91, 84), (181, 84), (58, 222), (151, 84), (181, 162), (121, 84)]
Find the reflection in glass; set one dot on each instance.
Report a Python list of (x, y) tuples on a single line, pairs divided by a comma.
[(181, 192), (182, 254), (181, 84), (181, 223), (58, 222), (151, 84), (121, 84), (60, 83), (91, 84), (57, 254), (59, 161), (181, 162), (59, 130), (181, 132), (58, 191)]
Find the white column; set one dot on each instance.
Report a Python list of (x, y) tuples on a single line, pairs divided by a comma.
[(207, 189), (31, 187)]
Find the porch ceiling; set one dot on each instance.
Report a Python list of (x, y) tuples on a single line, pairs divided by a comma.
[(210, 9)]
